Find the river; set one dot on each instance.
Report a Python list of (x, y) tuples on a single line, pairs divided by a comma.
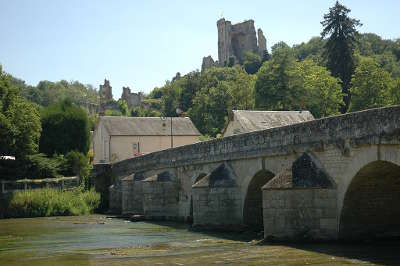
[(98, 240)]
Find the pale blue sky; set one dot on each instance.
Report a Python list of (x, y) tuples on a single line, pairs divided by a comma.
[(143, 43)]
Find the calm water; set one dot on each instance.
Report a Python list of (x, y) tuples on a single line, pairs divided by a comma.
[(97, 240)]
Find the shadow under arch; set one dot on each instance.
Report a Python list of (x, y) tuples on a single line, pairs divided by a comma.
[(252, 208), (371, 205)]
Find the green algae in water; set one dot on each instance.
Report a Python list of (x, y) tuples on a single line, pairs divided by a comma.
[(97, 240)]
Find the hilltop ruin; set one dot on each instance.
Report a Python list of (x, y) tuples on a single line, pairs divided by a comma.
[(234, 41)]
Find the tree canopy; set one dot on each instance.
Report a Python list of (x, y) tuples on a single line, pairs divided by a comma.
[(19, 121), (65, 128), (339, 48)]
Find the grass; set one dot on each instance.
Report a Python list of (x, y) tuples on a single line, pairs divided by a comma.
[(51, 202)]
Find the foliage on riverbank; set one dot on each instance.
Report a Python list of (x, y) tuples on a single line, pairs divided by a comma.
[(50, 202)]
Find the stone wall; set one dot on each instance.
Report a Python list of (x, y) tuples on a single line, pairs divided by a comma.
[(235, 40), (375, 126), (127, 184), (217, 207), (132, 99), (115, 201), (217, 201), (332, 149), (105, 92), (298, 214), (208, 62), (161, 197)]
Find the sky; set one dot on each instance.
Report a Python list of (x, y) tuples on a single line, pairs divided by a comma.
[(141, 44)]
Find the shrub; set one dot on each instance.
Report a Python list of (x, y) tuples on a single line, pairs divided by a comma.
[(52, 202), (40, 166)]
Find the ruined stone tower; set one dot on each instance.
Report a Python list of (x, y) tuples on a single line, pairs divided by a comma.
[(132, 99), (234, 41), (105, 92)]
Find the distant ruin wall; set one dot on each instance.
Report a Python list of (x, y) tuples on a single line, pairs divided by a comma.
[(132, 99), (235, 40)]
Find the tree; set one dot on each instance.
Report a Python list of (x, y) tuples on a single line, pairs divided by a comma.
[(190, 85), (251, 62), (371, 86), (272, 91), (170, 99), (210, 109), (312, 49), (319, 91), (65, 128), (339, 48), (19, 121), (123, 107)]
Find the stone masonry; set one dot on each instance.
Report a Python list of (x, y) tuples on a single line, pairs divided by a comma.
[(234, 41), (132, 99), (105, 92), (328, 178)]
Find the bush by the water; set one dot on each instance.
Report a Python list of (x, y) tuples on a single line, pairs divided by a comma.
[(51, 202)]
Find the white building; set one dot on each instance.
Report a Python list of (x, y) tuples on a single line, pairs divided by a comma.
[(118, 138)]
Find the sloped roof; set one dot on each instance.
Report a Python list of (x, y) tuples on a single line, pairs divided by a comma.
[(259, 120), (148, 126)]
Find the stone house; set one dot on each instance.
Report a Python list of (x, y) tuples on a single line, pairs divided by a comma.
[(118, 138), (243, 121)]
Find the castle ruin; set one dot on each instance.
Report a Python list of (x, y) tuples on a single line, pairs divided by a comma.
[(132, 99), (107, 102), (105, 92), (234, 41)]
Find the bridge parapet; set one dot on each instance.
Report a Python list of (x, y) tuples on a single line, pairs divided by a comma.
[(374, 126)]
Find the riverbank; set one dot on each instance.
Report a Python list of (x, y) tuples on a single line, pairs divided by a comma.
[(48, 202), (98, 240)]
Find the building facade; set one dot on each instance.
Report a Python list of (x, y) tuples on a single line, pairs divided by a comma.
[(119, 138)]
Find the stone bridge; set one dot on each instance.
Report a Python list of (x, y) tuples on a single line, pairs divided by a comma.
[(331, 178)]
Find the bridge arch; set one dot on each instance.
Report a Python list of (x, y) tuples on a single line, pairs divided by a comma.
[(371, 202), (252, 207)]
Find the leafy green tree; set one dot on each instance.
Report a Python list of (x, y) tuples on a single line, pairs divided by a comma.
[(251, 62), (210, 109), (76, 163), (339, 48), (395, 93), (123, 107), (318, 90), (189, 86), (39, 166), (312, 49), (240, 85), (170, 99), (272, 90), (65, 128), (372, 86), (19, 121)]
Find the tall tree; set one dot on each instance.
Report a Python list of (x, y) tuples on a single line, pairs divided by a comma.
[(339, 49), (19, 121), (65, 128)]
